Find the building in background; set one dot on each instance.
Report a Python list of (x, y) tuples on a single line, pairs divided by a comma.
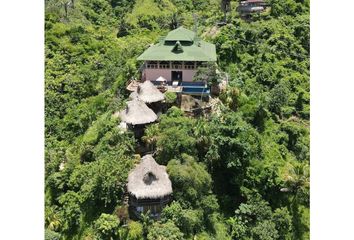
[(252, 6)]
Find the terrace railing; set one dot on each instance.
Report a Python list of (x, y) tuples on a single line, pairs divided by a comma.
[(151, 66), (177, 66), (168, 66), (164, 66), (189, 67)]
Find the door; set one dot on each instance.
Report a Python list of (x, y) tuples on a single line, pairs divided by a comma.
[(177, 76)]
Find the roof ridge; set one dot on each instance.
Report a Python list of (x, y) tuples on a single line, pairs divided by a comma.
[(198, 50)]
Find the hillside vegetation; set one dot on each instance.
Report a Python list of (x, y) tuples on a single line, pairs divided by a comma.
[(241, 174)]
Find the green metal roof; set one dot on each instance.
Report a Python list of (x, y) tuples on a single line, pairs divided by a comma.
[(180, 34), (190, 48)]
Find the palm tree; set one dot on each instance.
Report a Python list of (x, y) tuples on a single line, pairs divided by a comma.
[(146, 221), (297, 181), (150, 136)]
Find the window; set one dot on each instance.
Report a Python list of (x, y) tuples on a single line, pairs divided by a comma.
[(139, 209), (151, 64), (177, 65), (189, 65)]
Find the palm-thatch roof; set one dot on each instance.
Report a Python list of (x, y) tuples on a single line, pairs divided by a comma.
[(133, 95), (137, 113), (133, 85), (148, 92), (149, 180)]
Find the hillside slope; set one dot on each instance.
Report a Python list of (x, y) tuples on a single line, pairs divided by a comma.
[(242, 174)]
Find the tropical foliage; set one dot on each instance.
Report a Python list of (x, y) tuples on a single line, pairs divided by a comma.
[(241, 173)]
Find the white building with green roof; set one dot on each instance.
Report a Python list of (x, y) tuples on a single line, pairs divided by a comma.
[(176, 57)]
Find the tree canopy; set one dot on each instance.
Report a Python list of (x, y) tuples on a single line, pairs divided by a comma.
[(242, 172)]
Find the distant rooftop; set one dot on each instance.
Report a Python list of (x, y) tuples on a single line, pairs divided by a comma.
[(180, 44)]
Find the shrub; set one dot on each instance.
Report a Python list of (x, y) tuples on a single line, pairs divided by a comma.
[(51, 235), (106, 226)]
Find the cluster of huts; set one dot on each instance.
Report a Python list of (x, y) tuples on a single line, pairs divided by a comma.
[(149, 186), (141, 108), (175, 61)]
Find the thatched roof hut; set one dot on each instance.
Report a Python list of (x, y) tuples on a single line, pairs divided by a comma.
[(149, 180), (148, 92), (137, 113), (133, 95)]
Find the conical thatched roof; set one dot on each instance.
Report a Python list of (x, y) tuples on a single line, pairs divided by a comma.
[(149, 180), (137, 113), (148, 93)]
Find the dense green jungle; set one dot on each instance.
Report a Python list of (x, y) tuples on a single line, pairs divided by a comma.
[(241, 173)]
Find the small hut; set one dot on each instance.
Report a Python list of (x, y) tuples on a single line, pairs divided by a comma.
[(148, 93), (149, 187), (137, 115)]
